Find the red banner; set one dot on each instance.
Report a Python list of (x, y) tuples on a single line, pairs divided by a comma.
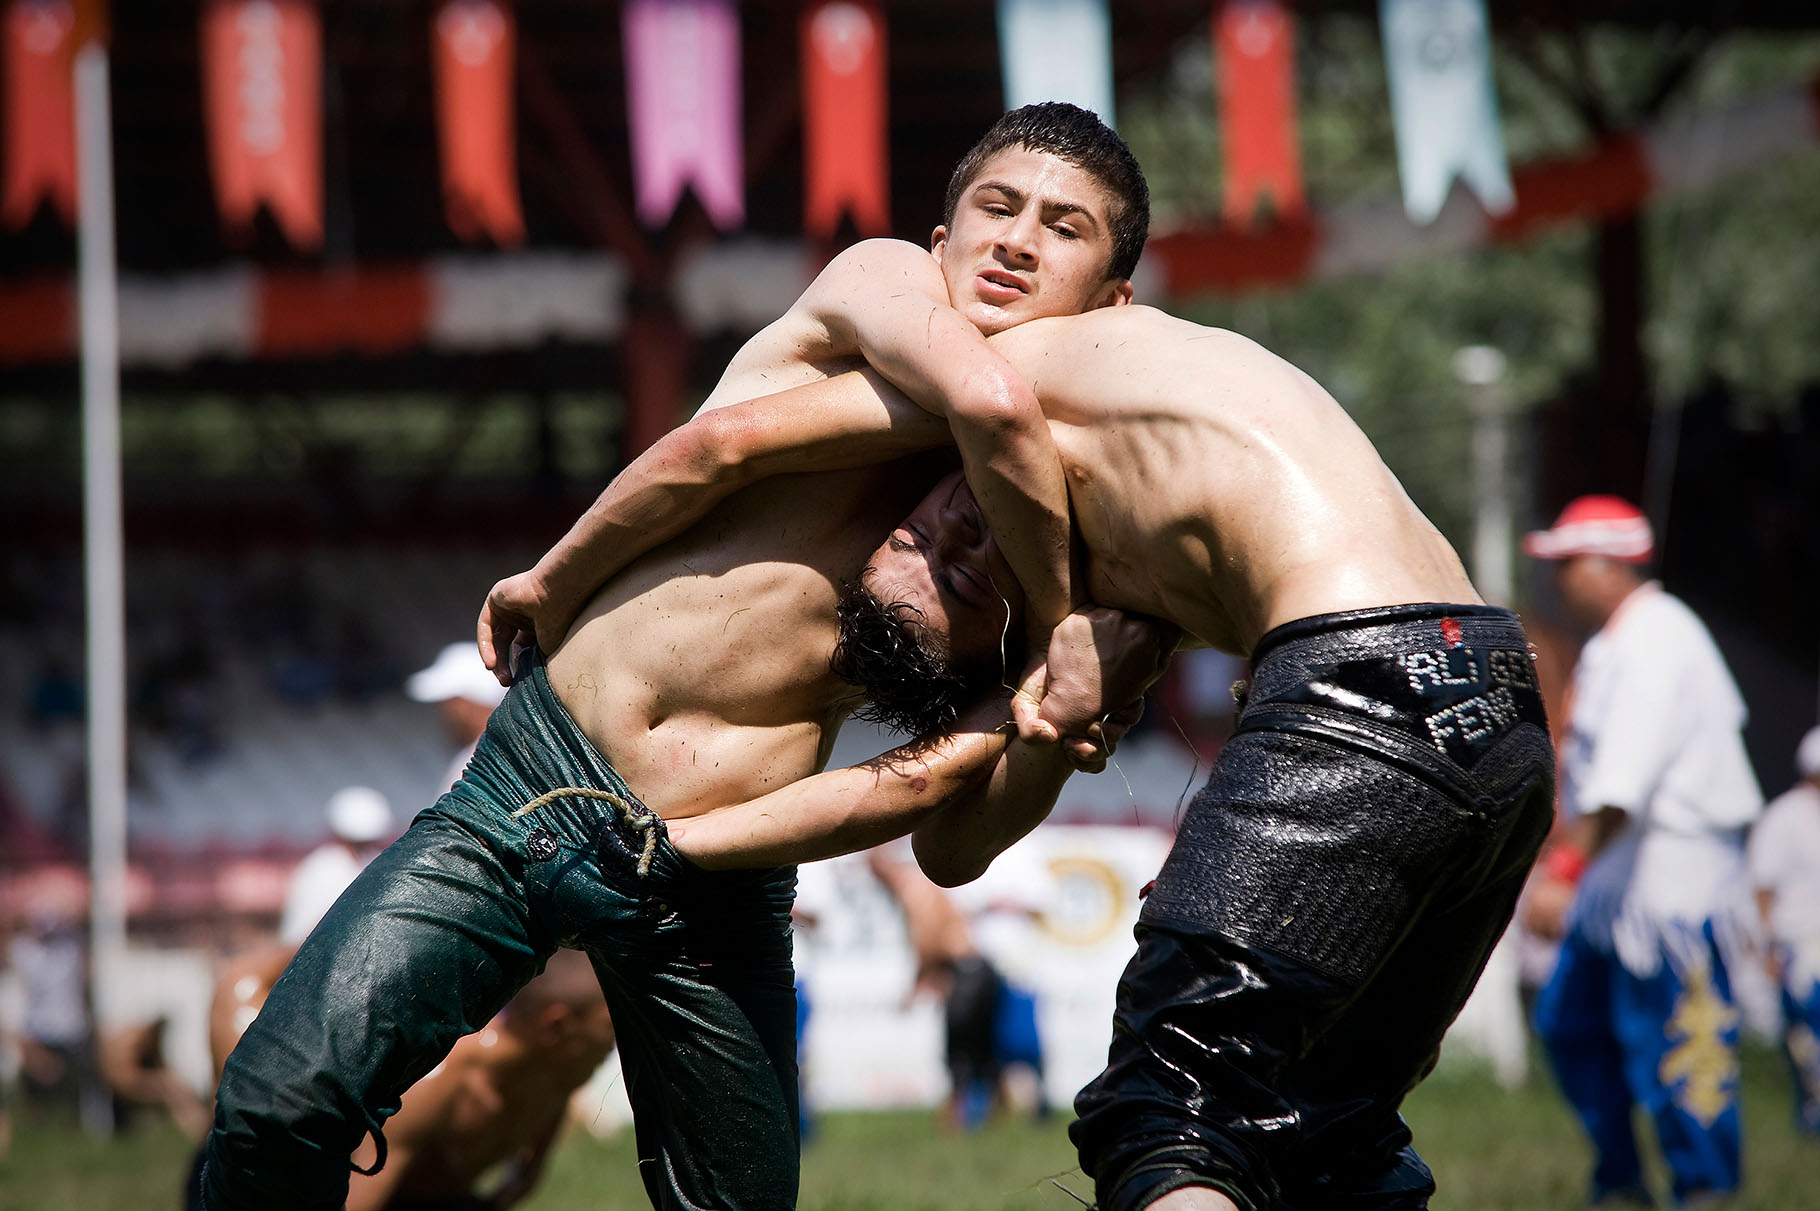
[(1254, 50), (262, 94), (845, 127), (475, 42), (40, 111)]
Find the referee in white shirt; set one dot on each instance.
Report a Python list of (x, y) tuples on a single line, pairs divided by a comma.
[(1657, 790)]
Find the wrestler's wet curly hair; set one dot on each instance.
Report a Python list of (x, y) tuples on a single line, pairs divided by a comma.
[(887, 651)]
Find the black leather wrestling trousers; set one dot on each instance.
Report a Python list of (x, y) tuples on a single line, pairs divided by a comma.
[(1331, 898)]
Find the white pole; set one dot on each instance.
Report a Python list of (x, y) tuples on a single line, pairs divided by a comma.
[(102, 517), (1481, 368)]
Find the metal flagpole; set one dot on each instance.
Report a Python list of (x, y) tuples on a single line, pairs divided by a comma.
[(104, 581), (1481, 368)]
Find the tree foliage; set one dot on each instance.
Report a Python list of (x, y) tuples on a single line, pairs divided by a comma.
[(1729, 269)]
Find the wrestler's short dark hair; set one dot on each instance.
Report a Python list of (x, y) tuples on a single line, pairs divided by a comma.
[(910, 683), (1078, 136)]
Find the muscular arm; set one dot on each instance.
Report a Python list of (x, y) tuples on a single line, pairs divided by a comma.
[(980, 769), (957, 842), (886, 301), (851, 420)]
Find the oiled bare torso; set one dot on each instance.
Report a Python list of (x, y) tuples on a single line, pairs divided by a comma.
[(1216, 485), (701, 671)]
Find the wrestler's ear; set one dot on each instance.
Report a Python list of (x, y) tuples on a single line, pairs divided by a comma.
[(1115, 293)]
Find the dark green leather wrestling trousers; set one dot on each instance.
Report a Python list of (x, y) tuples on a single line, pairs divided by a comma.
[(440, 931)]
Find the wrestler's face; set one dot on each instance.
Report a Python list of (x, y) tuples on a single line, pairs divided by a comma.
[(1031, 237), (944, 564)]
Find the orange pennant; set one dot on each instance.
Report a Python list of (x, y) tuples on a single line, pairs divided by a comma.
[(40, 111), (844, 118), (262, 88), (475, 41), (1254, 45)]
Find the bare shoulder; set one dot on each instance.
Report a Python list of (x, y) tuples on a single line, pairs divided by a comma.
[(1108, 353), (1107, 329), (803, 344), (867, 257)]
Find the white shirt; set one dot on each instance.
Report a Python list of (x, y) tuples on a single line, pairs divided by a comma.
[(1785, 859), (51, 970), (1657, 732), (318, 881)]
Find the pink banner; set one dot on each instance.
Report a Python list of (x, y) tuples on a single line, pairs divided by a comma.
[(683, 94)]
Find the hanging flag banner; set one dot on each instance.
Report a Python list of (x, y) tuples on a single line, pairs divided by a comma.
[(844, 118), (40, 111), (1056, 50), (475, 41), (1439, 57), (1254, 52), (262, 93), (683, 94)]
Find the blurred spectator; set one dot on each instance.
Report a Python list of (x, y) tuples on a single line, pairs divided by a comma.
[(178, 696), (56, 1058), (133, 1067), (1784, 855), (987, 1025), (360, 822), (1658, 789), (464, 694), (476, 1131), (56, 693)]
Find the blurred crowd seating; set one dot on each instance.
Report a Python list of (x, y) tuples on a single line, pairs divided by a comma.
[(256, 688)]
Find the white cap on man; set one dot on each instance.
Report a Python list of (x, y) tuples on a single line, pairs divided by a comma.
[(359, 815), (457, 672), (1807, 754)]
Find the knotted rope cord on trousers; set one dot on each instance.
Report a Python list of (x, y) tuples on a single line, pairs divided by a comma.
[(638, 817)]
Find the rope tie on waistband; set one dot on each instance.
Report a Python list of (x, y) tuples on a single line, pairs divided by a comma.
[(635, 815)]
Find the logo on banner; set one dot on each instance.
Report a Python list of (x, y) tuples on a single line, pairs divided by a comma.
[(1090, 902)]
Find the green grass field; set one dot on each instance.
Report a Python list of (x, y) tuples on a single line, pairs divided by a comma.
[(1491, 1151)]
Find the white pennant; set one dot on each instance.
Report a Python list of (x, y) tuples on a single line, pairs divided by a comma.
[(1056, 50), (1439, 57)]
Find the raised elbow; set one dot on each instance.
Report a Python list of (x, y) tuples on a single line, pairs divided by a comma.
[(943, 866), (997, 400), (717, 445)]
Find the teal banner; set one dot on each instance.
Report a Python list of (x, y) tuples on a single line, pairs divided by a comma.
[(1438, 53), (1057, 50)]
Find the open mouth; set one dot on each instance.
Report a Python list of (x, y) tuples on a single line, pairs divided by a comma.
[(996, 285)]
